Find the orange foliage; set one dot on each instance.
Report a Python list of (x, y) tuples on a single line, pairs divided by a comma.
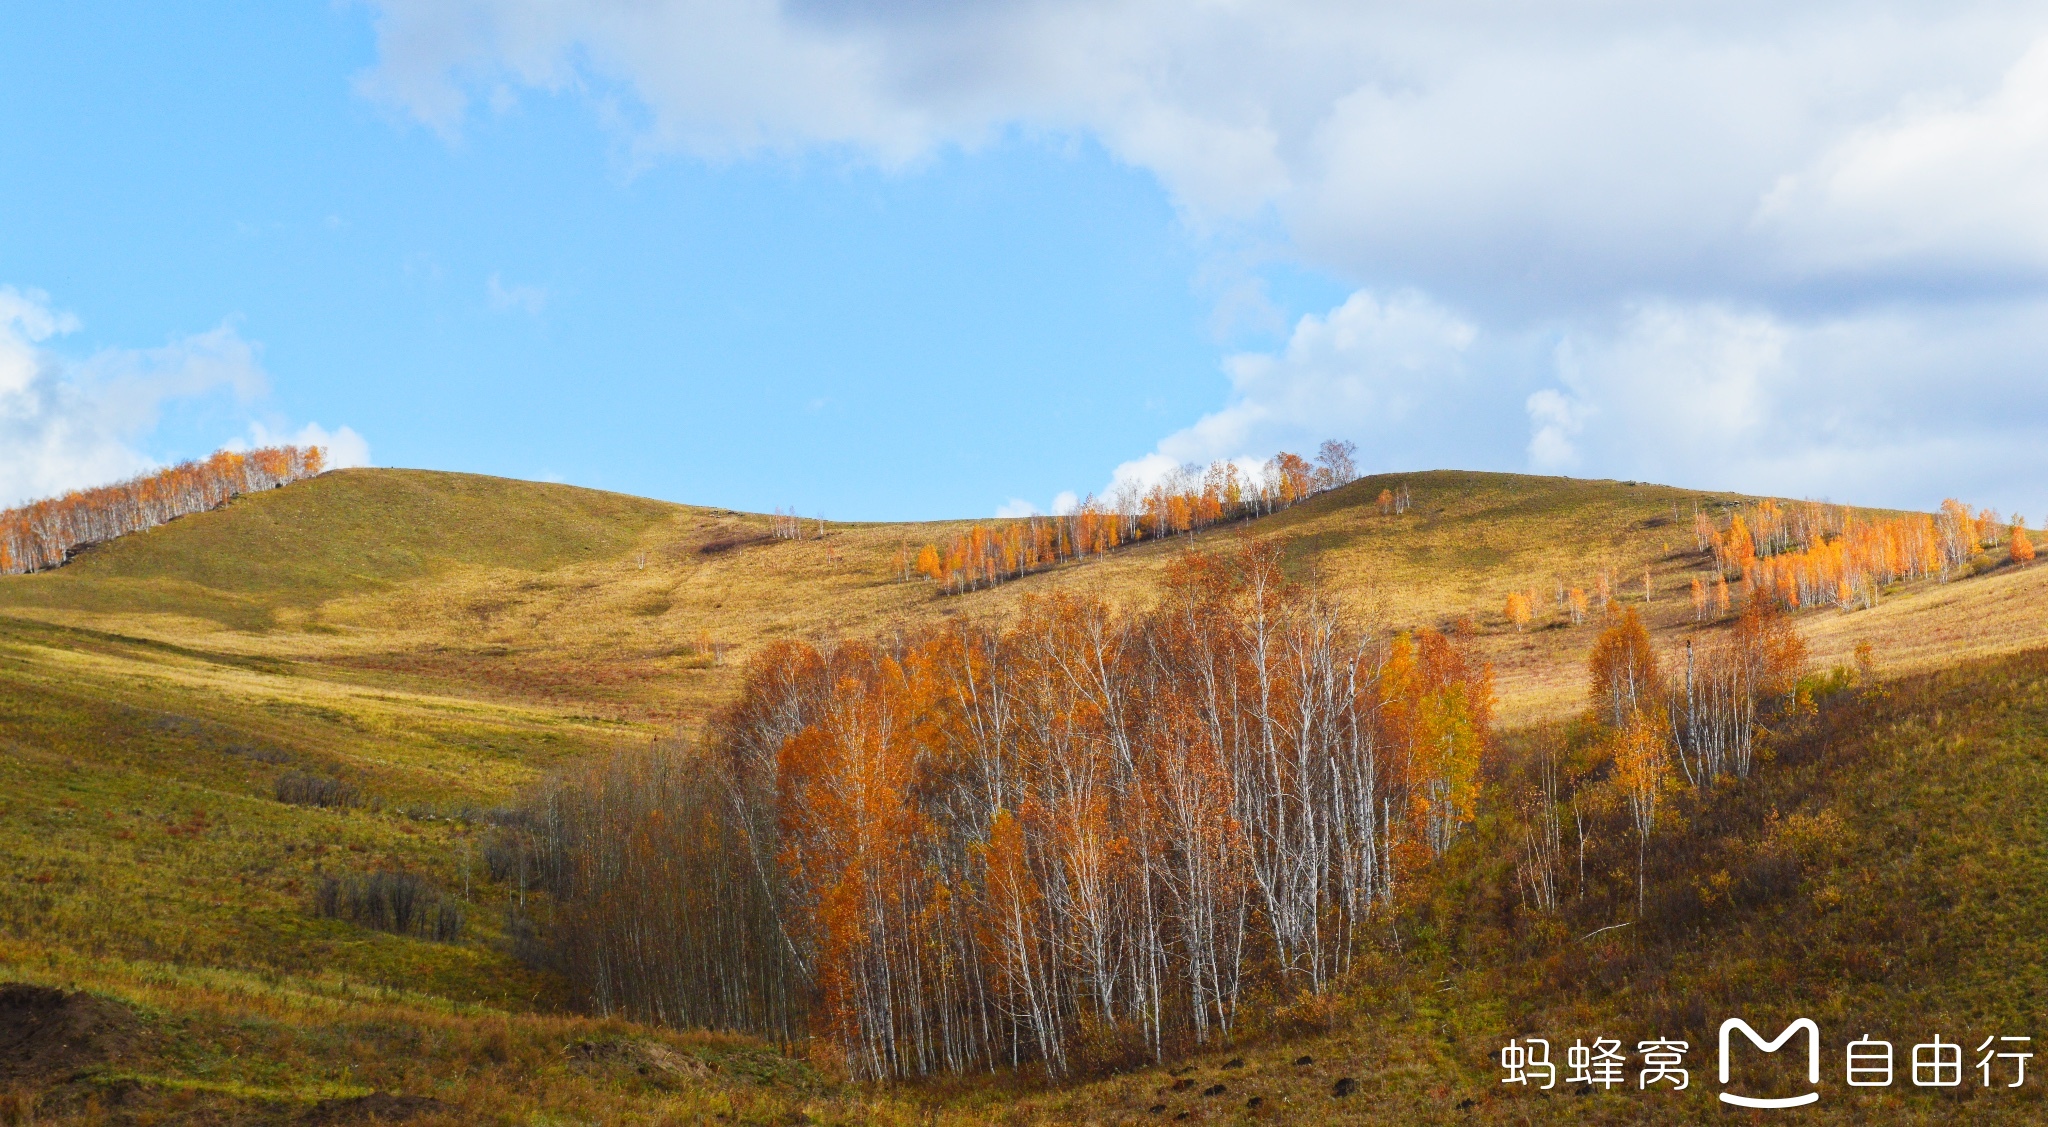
[(985, 844), (1185, 502), (1623, 669), (1575, 605), (1811, 554), (1518, 609), (43, 534)]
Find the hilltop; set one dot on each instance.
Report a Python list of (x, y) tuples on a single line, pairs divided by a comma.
[(440, 642), (638, 610)]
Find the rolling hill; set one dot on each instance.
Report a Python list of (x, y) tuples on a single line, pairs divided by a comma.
[(433, 644)]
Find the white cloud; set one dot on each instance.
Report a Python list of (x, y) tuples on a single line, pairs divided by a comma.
[(345, 448), (1015, 507), (529, 300), (1480, 151), (1947, 185), (1722, 243), (1555, 420), (1839, 405), (68, 423), (1369, 370)]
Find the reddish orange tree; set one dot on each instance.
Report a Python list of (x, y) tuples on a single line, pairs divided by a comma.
[(1186, 501)]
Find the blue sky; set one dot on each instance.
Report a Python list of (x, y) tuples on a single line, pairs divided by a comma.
[(905, 260)]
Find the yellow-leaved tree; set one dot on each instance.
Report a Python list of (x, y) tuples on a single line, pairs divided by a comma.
[(1642, 769), (1518, 609)]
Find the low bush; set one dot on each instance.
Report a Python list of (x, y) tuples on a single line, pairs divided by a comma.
[(396, 901), (296, 788)]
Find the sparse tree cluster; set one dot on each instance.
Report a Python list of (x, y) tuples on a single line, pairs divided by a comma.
[(1811, 554), (1654, 732), (1186, 501), (44, 534), (1089, 833), (1712, 709)]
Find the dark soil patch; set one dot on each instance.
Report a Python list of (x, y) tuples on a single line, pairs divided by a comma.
[(726, 544), (47, 1032), (377, 1107)]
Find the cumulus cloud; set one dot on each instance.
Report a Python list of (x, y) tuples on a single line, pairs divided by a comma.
[(345, 448), (1538, 149), (1562, 219), (1063, 503), (1380, 372), (1555, 420), (70, 422), (1945, 188), (1898, 405)]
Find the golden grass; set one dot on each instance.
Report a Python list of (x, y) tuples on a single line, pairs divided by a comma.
[(606, 607), (236, 1046), (444, 640)]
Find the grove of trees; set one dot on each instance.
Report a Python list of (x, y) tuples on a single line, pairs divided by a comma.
[(1091, 833), (1813, 554), (1188, 500), (1689, 721), (43, 534), (1808, 554)]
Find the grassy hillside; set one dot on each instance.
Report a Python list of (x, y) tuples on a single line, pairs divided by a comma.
[(339, 534), (1888, 875), (638, 610), (438, 642)]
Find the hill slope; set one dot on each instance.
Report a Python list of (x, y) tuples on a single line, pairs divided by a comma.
[(438, 642), (518, 591)]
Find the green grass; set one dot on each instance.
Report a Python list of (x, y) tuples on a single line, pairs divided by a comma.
[(137, 817), (1885, 873), (443, 641), (340, 533)]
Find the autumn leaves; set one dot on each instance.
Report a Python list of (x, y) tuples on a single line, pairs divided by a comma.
[(1093, 827), (1701, 724), (43, 534), (1187, 500), (1811, 554), (1083, 834)]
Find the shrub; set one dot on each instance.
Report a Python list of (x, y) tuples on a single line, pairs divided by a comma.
[(396, 901), (296, 788)]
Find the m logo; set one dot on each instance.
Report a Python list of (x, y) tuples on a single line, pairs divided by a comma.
[(1812, 1061)]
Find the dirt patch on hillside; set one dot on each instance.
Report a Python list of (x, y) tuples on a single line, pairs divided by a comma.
[(47, 1032), (378, 1107), (645, 1057), (724, 544)]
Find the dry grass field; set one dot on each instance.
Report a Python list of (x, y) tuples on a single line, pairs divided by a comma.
[(435, 642), (638, 611)]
